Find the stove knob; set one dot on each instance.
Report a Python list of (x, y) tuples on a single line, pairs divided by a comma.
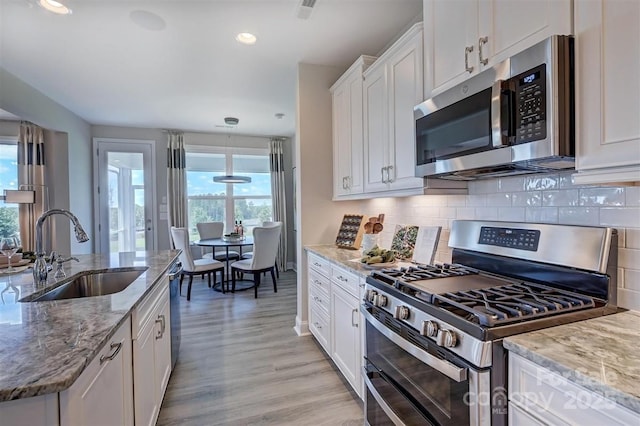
[(402, 312), (429, 328), (370, 295), (446, 338), (380, 300)]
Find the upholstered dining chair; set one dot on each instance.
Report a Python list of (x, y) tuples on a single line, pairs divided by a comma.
[(208, 230), (249, 254), (265, 249), (191, 266)]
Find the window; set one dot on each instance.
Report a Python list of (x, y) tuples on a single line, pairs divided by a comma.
[(9, 225), (225, 202)]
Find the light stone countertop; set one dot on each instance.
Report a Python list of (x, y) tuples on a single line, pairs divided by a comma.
[(345, 257), (599, 354), (45, 346)]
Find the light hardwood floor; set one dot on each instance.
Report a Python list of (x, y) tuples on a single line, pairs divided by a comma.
[(241, 363)]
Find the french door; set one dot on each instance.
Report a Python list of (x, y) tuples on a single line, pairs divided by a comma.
[(124, 179)]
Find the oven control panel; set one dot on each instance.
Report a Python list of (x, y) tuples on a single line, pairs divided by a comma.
[(523, 239)]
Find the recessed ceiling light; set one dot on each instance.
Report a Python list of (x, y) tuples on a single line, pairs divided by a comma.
[(246, 38), (55, 7)]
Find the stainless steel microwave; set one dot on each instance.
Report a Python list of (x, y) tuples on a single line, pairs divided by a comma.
[(516, 117)]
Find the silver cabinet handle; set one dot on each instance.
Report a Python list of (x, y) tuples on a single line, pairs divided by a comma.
[(317, 264), (343, 183), (354, 323), (159, 321), (382, 174), (343, 279), (481, 41), (317, 324), (467, 67), (348, 182), (389, 178), (116, 347)]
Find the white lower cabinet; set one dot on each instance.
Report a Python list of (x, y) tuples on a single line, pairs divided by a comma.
[(538, 396), (334, 316), (151, 355), (42, 410), (102, 395), (345, 332)]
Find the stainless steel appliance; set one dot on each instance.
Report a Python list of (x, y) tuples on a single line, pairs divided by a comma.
[(174, 311), (434, 333), (516, 117)]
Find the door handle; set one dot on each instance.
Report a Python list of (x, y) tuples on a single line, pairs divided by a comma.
[(354, 323), (389, 178), (467, 67), (481, 41)]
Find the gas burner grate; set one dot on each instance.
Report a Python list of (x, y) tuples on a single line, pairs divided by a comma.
[(418, 272), (511, 303)]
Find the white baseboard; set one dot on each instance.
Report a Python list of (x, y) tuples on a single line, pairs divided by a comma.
[(301, 328)]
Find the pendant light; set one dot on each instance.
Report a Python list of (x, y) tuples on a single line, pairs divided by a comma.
[(231, 121)]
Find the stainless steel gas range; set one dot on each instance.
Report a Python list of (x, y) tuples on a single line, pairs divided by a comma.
[(434, 333)]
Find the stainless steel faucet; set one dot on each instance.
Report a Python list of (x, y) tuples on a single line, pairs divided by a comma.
[(40, 268)]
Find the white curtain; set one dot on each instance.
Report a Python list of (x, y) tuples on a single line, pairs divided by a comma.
[(276, 158), (176, 181), (31, 172)]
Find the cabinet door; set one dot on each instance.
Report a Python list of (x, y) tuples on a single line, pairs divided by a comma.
[(102, 395), (512, 26), (376, 136), (163, 350), (608, 87), (346, 335), (341, 143), (450, 27), (404, 71), (356, 134), (146, 405)]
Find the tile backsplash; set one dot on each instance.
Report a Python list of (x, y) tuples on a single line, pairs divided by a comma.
[(548, 198)]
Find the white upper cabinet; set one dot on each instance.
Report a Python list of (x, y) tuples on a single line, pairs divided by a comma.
[(393, 85), (607, 91), (348, 130), (464, 37)]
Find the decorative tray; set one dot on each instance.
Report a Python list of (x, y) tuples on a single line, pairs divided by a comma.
[(232, 238)]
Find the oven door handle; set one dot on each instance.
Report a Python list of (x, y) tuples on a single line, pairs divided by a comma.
[(452, 371), (380, 400)]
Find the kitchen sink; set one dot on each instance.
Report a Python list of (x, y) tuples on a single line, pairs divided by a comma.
[(90, 284)]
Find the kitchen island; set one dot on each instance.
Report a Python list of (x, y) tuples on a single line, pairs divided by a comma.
[(586, 370), (47, 345)]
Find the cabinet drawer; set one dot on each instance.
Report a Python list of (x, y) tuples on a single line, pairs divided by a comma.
[(320, 281), (319, 264), (142, 314), (319, 298), (553, 399), (319, 327), (346, 280)]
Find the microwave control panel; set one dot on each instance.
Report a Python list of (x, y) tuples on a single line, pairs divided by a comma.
[(530, 99)]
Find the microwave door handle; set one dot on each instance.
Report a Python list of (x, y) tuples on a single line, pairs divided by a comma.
[(496, 116)]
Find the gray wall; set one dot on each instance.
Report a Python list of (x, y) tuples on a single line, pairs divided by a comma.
[(70, 138)]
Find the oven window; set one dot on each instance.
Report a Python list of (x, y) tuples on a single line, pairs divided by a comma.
[(459, 129), (435, 394)]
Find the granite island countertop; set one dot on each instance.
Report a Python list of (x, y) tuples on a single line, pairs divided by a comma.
[(45, 346), (600, 354)]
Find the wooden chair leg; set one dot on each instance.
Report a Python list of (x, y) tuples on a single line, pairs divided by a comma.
[(215, 281), (273, 277), (189, 287), (256, 283)]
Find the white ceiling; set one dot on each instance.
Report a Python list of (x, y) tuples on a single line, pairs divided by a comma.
[(175, 63)]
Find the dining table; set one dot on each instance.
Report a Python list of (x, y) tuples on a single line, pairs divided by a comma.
[(226, 243)]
